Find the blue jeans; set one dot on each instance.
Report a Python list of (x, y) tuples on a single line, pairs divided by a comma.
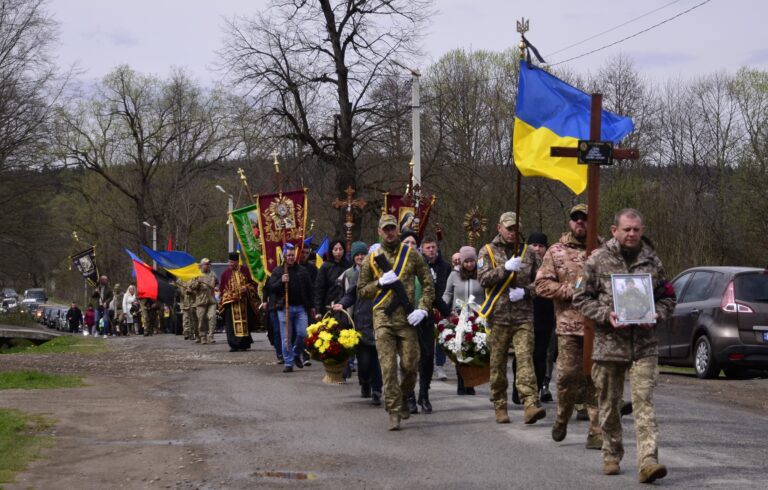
[(276, 335), (298, 326), (439, 355), (103, 312)]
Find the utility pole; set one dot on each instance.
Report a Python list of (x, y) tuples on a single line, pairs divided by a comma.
[(154, 240), (415, 121), (230, 227)]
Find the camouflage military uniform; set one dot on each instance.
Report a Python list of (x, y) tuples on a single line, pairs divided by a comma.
[(562, 266), (394, 335), (616, 350), (205, 304), (510, 324), (185, 306)]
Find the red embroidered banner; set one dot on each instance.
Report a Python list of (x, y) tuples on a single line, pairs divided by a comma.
[(403, 207), (281, 214)]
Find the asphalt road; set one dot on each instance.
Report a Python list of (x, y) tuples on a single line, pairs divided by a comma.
[(258, 427)]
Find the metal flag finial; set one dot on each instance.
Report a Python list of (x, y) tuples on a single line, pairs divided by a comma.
[(522, 25), (276, 163)]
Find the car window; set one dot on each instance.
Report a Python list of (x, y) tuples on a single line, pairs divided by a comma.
[(698, 287), (752, 287), (679, 284)]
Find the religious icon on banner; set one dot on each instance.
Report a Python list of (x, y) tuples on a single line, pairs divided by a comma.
[(281, 210), (85, 263), (410, 217), (282, 215)]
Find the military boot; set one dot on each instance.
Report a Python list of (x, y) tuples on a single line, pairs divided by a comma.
[(405, 410), (502, 417), (533, 413), (594, 440), (651, 472), (544, 394), (559, 430), (394, 421), (611, 468)]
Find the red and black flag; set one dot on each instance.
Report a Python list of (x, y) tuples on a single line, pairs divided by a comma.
[(150, 283)]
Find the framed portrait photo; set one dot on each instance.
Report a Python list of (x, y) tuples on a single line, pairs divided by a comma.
[(633, 299)]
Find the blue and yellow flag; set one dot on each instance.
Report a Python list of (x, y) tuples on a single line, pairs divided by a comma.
[(552, 113), (321, 251), (178, 263)]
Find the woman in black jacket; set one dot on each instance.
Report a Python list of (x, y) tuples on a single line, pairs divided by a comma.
[(328, 288)]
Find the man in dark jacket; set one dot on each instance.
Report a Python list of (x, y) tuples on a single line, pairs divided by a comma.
[(369, 370), (74, 318), (294, 278), (619, 348), (440, 270)]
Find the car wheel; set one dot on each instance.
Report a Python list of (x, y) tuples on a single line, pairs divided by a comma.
[(704, 362)]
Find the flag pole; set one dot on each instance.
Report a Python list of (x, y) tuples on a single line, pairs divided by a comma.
[(287, 333), (522, 28)]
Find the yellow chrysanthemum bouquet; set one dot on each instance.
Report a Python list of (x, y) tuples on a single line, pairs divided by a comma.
[(331, 341)]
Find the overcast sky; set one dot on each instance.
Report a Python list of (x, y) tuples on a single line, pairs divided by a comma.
[(153, 35)]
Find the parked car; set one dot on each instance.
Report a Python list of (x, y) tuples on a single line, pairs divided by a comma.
[(8, 305), (720, 321), (32, 298), (9, 293)]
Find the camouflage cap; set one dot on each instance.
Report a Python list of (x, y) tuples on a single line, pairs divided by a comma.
[(387, 220), (509, 219), (579, 208)]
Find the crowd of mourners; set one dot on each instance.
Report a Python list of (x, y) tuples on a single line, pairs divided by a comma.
[(537, 301)]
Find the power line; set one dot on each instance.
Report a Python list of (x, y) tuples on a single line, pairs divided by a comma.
[(633, 35), (612, 28)]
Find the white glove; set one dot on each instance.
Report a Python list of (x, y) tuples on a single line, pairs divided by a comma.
[(416, 317), (388, 278), (513, 264), (516, 294)]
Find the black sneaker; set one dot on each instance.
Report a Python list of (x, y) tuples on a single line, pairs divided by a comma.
[(376, 399), (298, 363), (288, 369)]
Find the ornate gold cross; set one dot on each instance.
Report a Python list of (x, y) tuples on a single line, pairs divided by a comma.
[(349, 204)]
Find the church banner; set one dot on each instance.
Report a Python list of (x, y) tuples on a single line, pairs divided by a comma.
[(246, 224), (281, 215), (85, 262), (403, 207)]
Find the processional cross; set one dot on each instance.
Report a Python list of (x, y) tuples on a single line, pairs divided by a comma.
[(349, 204), (594, 153)]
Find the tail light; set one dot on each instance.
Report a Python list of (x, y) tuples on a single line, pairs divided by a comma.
[(729, 304)]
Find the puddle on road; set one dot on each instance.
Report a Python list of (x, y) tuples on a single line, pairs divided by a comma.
[(285, 475)]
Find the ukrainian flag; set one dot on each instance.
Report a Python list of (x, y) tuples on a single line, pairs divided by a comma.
[(552, 113), (180, 264), (321, 251)]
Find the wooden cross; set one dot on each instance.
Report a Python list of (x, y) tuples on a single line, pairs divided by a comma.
[(593, 198), (349, 204)]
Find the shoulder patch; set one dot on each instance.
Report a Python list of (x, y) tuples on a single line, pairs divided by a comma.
[(481, 262), (579, 282)]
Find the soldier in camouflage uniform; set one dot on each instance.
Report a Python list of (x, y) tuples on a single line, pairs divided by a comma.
[(618, 348), (634, 302), (555, 279), (396, 334), (511, 319), (204, 286), (185, 306)]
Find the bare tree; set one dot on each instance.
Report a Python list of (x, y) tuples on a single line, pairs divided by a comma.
[(147, 138), (312, 65)]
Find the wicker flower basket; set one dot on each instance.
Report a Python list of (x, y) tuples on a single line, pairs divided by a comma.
[(334, 374), (474, 375)]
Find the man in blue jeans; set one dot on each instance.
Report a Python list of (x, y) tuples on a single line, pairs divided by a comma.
[(295, 279)]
